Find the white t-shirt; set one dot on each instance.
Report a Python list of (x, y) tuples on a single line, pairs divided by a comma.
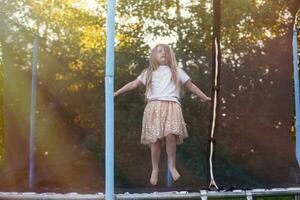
[(163, 88)]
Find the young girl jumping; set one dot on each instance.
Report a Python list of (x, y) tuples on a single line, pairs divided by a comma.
[(163, 120)]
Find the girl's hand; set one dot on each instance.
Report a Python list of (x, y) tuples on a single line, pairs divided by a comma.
[(206, 99)]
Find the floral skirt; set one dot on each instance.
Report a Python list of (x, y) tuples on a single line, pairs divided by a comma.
[(160, 119)]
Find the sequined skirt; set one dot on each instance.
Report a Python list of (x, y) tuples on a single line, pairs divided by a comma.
[(160, 119)]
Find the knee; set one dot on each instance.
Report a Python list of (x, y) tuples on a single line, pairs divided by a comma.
[(170, 139), (156, 144)]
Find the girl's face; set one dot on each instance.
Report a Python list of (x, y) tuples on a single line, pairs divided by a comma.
[(162, 56)]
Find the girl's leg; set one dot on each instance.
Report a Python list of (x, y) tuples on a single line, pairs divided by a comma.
[(171, 152), (155, 156)]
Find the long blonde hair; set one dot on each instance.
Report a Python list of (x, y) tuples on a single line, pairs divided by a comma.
[(153, 65)]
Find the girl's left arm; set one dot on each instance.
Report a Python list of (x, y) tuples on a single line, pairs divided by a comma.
[(195, 90)]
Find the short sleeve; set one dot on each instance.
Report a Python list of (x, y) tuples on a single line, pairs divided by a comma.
[(142, 77), (183, 77)]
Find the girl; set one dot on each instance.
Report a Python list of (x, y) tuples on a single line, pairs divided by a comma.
[(163, 120)]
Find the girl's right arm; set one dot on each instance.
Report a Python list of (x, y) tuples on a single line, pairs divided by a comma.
[(129, 86)]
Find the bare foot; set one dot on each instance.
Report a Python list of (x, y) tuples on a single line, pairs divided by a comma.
[(154, 177), (175, 174)]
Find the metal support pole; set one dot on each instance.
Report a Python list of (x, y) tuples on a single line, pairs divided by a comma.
[(33, 113), (169, 177), (249, 195), (296, 89), (109, 103)]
